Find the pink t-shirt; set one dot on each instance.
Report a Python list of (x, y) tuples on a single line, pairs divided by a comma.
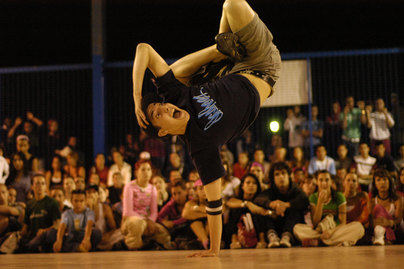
[(140, 202)]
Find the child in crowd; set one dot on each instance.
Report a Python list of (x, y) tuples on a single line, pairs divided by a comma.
[(115, 191), (68, 187)]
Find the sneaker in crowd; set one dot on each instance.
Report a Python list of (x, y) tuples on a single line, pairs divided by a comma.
[(273, 240), (285, 241)]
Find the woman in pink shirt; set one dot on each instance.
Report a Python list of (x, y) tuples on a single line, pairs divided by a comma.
[(140, 210)]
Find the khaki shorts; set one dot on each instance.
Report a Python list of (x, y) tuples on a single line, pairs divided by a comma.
[(262, 54)]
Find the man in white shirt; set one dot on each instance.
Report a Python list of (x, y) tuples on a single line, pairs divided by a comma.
[(364, 164), (4, 168), (379, 123), (293, 125), (119, 166), (321, 162)]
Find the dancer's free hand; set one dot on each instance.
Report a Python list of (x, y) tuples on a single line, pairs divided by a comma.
[(140, 116)]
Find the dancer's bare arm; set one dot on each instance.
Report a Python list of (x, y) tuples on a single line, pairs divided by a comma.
[(146, 57)]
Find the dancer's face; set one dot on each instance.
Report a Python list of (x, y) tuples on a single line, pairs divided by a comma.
[(168, 117)]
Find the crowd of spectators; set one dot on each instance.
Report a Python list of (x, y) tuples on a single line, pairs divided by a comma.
[(146, 194)]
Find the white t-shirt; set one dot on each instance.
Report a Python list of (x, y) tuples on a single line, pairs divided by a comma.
[(228, 190), (364, 166), (126, 173), (379, 129), (293, 125), (4, 170)]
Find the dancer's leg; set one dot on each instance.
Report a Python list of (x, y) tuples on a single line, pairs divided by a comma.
[(236, 14)]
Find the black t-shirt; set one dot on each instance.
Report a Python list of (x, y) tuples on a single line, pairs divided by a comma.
[(41, 214), (219, 111)]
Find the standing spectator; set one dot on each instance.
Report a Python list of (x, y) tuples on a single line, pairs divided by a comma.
[(328, 212), (317, 127), (383, 160), (386, 207), (259, 157), (4, 167), (351, 119), (52, 141), (19, 178), (288, 203), (76, 231), (241, 205), (100, 168), (73, 168), (23, 146), (398, 114), (379, 123), (321, 162), (119, 166), (240, 168), (54, 177), (298, 160), (399, 162), (41, 216), (332, 129), (68, 187), (364, 164), (343, 160), (140, 210), (115, 191), (293, 126)]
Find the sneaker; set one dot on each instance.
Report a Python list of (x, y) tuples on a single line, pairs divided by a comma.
[(326, 224), (379, 235), (285, 241), (235, 245), (273, 240), (379, 241), (227, 44)]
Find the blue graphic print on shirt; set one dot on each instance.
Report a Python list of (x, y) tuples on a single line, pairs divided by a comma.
[(210, 110)]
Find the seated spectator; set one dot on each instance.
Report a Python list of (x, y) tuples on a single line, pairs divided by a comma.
[(104, 193), (298, 160), (100, 168), (400, 184), (343, 159), (357, 204), (115, 191), (241, 205), (259, 157), (4, 167), (161, 187), (72, 168), (298, 176), (191, 190), (193, 175), (76, 231), (59, 196), (68, 187), (140, 211), (399, 162), (227, 155), (54, 177), (171, 213), (379, 122), (175, 163), (41, 216), (229, 182), (364, 164), (173, 176), (240, 168), (104, 218), (80, 183), (309, 186), (121, 167), (321, 162), (386, 208), (195, 211), (384, 161), (288, 204), (258, 170), (328, 212), (23, 146), (95, 180), (9, 215), (19, 178), (339, 178), (70, 148)]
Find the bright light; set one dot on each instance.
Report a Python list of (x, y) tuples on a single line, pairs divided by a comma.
[(274, 126)]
